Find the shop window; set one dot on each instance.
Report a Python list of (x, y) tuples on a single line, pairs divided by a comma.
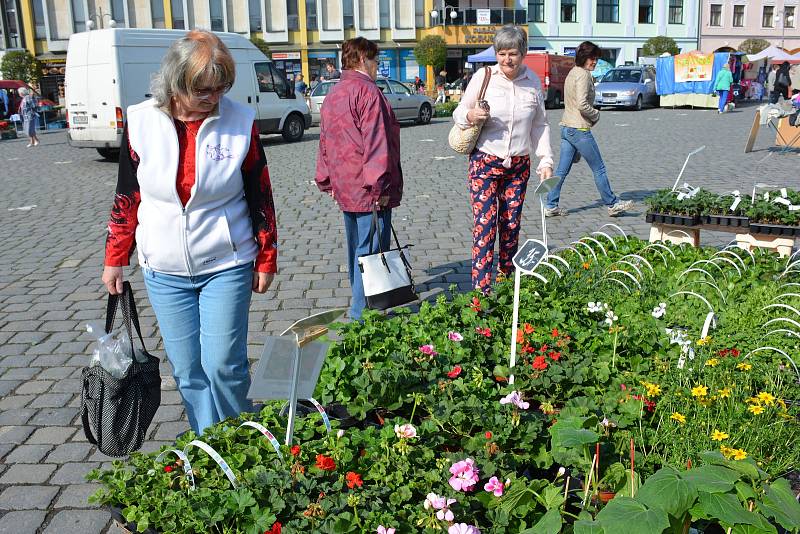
[(569, 10), (715, 15), (157, 13), (768, 17), (645, 11), (676, 11), (738, 16), (178, 20), (535, 10), (608, 11), (254, 12), (215, 11), (38, 20)]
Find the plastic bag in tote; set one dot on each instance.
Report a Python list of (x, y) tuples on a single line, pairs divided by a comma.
[(386, 275)]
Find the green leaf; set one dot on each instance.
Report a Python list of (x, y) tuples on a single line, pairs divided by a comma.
[(624, 515), (711, 478), (746, 467), (550, 523), (751, 529), (725, 507), (779, 504), (667, 491), (587, 527)]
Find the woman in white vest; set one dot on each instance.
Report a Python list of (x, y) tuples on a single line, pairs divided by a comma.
[(194, 198)]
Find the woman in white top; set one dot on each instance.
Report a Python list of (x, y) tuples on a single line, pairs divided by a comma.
[(514, 127)]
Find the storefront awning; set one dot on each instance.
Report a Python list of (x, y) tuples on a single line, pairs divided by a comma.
[(486, 56)]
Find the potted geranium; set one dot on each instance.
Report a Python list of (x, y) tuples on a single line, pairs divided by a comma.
[(7, 130)]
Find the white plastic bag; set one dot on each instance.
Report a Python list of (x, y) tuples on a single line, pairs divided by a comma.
[(112, 353)]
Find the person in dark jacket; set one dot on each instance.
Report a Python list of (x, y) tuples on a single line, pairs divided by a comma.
[(782, 83), (358, 163)]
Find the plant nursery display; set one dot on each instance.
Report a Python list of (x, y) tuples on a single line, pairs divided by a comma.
[(656, 390)]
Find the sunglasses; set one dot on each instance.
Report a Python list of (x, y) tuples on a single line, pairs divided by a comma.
[(208, 94)]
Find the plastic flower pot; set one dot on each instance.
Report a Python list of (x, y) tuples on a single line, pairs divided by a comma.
[(116, 515), (779, 230), (605, 496), (726, 220), (672, 219)]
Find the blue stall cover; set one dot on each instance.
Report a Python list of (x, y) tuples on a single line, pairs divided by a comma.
[(486, 56), (665, 77)]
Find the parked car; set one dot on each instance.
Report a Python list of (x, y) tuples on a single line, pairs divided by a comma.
[(552, 70), (407, 104), (109, 70), (630, 87)]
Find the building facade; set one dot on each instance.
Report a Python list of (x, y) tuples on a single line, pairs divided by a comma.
[(724, 24), (619, 27)]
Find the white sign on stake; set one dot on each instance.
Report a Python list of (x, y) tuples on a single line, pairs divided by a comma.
[(527, 258)]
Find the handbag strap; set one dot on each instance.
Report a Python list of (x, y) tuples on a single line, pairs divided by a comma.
[(485, 84), (373, 229), (130, 315)]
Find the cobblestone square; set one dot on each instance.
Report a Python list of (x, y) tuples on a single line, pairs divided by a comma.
[(55, 206)]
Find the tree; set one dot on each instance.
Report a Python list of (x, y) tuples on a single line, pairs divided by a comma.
[(261, 44), (753, 46), (20, 65), (431, 50), (655, 46)]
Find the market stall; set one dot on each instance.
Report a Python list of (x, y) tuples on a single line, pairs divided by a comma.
[(688, 79)]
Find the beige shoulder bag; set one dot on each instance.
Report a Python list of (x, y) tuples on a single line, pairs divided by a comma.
[(463, 141)]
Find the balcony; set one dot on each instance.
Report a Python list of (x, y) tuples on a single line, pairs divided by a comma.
[(469, 17)]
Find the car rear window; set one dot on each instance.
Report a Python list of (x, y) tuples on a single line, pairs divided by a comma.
[(323, 88)]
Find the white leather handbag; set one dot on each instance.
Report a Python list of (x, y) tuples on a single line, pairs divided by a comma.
[(386, 274)]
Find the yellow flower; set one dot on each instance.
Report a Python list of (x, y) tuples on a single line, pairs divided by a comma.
[(724, 393), (653, 390), (699, 391), (752, 400), (703, 341), (719, 436), (678, 417), (756, 409), (744, 366), (711, 362), (767, 398), (727, 452), (738, 454)]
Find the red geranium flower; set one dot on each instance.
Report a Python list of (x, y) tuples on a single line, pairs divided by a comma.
[(455, 372), (353, 480), (488, 435), (520, 336), (527, 349), (735, 352), (168, 468), (276, 529), (476, 304), (539, 363), (325, 463), (543, 349), (528, 328), (486, 332), (555, 356), (554, 333), (295, 450)]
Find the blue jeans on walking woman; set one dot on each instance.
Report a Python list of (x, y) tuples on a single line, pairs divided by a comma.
[(723, 99), (582, 142), (203, 322)]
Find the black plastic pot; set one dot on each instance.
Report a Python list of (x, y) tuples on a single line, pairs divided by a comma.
[(778, 230), (726, 220), (116, 515), (672, 219)]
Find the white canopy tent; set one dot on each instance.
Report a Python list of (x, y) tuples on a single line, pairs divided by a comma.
[(773, 53)]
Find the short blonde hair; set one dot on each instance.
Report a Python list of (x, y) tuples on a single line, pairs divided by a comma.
[(198, 57)]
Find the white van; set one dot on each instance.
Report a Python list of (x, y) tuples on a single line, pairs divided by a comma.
[(109, 70)]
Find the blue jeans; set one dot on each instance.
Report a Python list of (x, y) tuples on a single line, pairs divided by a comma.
[(723, 99), (572, 141), (203, 322), (356, 228)]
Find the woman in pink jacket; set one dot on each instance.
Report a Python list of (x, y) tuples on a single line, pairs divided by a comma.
[(359, 156)]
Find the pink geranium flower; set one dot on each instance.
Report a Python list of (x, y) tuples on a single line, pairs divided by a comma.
[(455, 336), (463, 528), (465, 475), (442, 504), (406, 431), (428, 349), (495, 486), (384, 530), (516, 399)]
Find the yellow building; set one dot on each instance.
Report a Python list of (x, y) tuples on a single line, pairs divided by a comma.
[(302, 35)]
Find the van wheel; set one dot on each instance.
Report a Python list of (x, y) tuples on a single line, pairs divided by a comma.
[(425, 114), (293, 128), (109, 153)]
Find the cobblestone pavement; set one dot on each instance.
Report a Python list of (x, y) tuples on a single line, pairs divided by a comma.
[(53, 212)]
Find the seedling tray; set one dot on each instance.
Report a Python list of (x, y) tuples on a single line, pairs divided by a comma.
[(726, 220), (671, 219), (780, 230)]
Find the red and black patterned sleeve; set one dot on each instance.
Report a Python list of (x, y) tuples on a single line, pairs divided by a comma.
[(121, 238), (258, 193)]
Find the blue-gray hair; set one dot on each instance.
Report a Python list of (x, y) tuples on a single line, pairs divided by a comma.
[(510, 36)]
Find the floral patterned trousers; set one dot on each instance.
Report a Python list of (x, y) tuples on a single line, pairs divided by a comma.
[(497, 194)]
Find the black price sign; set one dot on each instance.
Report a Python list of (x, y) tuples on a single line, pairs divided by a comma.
[(530, 255)]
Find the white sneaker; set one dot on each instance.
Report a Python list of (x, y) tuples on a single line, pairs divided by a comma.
[(555, 212), (619, 208)]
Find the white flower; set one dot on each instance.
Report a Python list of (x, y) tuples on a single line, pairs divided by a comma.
[(516, 399), (339, 434), (561, 472), (595, 307), (406, 431), (681, 362), (659, 311), (610, 317)]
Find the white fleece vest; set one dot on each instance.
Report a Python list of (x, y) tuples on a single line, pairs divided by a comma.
[(213, 232)]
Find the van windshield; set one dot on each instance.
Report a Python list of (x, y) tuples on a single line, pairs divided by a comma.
[(623, 75)]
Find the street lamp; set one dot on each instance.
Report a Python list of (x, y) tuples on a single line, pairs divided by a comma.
[(784, 20), (99, 16), (453, 14)]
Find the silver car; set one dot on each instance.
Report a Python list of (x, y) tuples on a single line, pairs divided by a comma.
[(407, 105), (630, 87)]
